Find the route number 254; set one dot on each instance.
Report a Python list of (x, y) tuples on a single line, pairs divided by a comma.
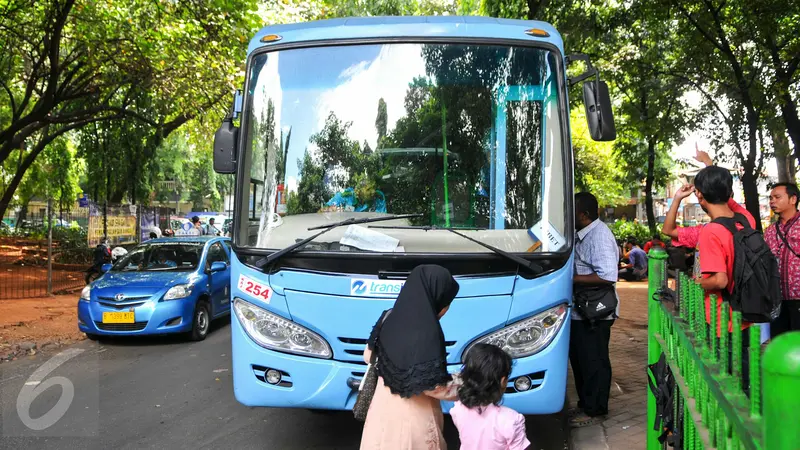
[(254, 288)]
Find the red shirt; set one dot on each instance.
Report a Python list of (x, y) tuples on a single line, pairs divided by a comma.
[(716, 255), (688, 236), (650, 245), (788, 262)]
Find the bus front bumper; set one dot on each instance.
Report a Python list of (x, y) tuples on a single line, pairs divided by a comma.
[(314, 383)]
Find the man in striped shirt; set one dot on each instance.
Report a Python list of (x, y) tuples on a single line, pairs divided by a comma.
[(596, 258)]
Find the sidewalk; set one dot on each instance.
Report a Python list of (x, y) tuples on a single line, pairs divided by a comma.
[(625, 427)]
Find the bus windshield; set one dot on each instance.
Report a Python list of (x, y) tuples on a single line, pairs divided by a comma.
[(461, 136)]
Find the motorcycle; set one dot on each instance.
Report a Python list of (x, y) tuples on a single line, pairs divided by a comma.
[(103, 255)]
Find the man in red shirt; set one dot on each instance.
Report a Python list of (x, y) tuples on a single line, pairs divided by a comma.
[(783, 238), (714, 188), (655, 242)]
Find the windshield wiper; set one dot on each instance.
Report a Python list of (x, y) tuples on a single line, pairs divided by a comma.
[(530, 265), (325, 228)]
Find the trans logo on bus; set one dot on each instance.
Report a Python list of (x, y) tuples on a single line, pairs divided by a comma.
[(375, 288)]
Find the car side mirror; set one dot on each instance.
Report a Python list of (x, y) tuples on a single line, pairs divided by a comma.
[(599, 116), (218, 266), (105, 267), (225, 141)]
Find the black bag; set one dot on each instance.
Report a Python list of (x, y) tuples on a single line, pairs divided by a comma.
[(663, 390), (756, 279), (595, 302), (677, 259), (366, 390)]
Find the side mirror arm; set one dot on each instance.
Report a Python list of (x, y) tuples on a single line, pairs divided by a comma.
[(591, 71)]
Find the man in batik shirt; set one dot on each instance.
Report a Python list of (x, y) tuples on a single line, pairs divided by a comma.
[(783, 238)]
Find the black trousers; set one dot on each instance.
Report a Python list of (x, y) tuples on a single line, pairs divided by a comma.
[(591, 365), (745, 375), (630, 274), (789, 320)]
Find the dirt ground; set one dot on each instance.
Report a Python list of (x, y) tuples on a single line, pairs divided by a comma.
[(30, 325)]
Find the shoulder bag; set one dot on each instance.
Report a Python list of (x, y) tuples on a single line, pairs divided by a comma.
[(594, 302), (366, 389)]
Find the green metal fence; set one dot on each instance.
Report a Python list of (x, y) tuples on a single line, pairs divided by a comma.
[(710, 406)]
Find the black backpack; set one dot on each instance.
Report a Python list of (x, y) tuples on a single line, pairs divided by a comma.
[(662, 385), (756, 279)]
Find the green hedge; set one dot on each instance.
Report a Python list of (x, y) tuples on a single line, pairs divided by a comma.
[(625, 229)]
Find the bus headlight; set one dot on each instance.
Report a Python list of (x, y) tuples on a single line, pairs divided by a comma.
[(276, 333), (528, 336)]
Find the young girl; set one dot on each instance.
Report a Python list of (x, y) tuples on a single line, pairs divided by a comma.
[(482, 423)]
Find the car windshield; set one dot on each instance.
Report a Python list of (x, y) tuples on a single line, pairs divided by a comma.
[(463, 136), (161, 256)]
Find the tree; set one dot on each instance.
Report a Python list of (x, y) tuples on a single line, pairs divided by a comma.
[(312, 191), (381, 121), (719, 59), (653, 111), (596, 169), (775, 23), (68, 64)]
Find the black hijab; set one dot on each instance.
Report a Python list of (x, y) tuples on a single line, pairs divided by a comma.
[(410, 343)]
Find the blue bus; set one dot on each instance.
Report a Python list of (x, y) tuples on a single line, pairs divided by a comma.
[(363, 147)]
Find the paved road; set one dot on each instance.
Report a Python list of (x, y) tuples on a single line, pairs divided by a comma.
[(168, 393)]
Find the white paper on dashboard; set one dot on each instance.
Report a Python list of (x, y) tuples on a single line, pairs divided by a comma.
[(551, 239), (366, 239)]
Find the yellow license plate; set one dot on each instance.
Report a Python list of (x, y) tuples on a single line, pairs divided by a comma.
[(118, 317)]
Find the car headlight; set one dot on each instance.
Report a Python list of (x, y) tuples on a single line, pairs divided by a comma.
[(528, 336), (276, 333), (86, 293), (178, 291)]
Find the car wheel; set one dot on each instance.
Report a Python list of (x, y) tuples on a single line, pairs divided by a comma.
[(201, 321)]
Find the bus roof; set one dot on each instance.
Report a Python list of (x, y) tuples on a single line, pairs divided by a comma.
[(407, 27)]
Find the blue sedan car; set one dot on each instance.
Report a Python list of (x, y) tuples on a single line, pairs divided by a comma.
[(165, 285)]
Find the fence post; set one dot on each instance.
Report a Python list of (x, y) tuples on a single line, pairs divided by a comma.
[(49, 246), (781, 385), (657, 258)]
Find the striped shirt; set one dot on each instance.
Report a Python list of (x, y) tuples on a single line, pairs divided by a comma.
[(596, 251)]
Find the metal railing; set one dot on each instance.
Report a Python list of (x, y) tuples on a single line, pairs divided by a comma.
[(710, 407)]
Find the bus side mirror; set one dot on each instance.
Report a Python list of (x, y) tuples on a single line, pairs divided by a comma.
[(225, 140), (599, 116)]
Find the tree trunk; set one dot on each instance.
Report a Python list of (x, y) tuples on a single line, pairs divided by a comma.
[(750, 187), (783, 156), (8, 195), (648, 186), (23, 213), (791, 120)]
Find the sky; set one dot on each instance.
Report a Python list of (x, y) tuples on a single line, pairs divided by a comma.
[(353, 80), (686, 149)]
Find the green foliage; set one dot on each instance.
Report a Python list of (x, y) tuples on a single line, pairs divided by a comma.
[(624, 229), (312, 191), (596, 169), (157, 64)]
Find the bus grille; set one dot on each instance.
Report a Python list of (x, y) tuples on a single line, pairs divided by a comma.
[(353, 349)]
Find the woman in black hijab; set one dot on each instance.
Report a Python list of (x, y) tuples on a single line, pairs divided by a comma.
[(406, 412)]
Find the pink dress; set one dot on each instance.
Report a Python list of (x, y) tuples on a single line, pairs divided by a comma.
[(496, 428)]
